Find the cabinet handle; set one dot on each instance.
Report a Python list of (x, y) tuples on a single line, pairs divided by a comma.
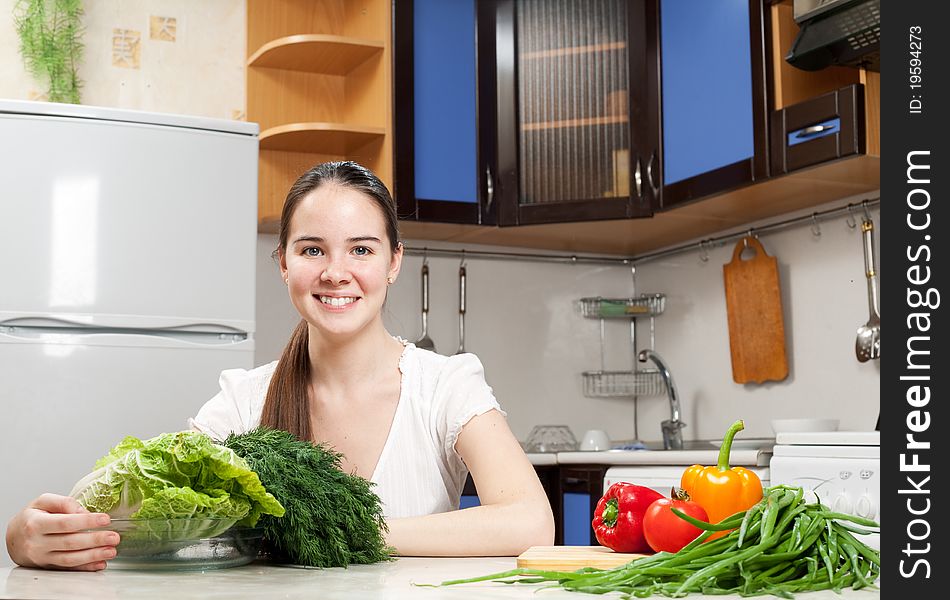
[(489, 189), (813, 130), (638, 180), (653, 186)]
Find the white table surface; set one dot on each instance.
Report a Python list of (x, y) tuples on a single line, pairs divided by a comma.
[(390, 581)]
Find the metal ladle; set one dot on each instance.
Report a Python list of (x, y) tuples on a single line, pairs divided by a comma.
[(424, 340), (868, 343), (461, 349)]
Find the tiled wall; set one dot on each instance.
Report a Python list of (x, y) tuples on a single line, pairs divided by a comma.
[(176, 56)]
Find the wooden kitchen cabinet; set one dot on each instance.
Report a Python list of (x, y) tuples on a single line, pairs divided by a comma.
[(715, 198), (560, 119), (319, 85), (515, 112)]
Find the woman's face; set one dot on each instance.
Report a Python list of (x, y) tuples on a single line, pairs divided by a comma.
[(338, 259)]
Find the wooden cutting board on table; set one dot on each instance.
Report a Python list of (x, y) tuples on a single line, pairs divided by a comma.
[(571, 558), (754, 309)]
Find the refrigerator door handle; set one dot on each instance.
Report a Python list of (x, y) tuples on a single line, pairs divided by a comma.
[(28, 330)]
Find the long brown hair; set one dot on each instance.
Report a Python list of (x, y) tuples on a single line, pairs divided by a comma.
[(287, 404)]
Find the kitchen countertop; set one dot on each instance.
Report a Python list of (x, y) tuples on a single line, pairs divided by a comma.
[(390, 581), (542, 459), (758, 457)]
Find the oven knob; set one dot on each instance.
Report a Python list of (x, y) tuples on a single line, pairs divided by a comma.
[(841, 503), (864, 507)]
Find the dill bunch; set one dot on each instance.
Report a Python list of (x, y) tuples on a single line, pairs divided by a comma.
[(332, 518)]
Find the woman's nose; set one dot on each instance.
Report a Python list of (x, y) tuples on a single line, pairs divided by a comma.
[(335, 273)]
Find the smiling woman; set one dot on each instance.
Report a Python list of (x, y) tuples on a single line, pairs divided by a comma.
[(411, 421)]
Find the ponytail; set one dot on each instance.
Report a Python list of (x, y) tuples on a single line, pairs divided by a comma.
[(287, 405)]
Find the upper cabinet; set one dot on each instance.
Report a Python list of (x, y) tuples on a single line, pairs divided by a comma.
[(319, 84), (514, 112), (521, 112), (571, 132), (439, 156), (617, 126), (713, 124)]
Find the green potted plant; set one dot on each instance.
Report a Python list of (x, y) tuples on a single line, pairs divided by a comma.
[(51, 44)]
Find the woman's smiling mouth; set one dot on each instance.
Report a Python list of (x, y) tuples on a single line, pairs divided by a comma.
[(336, 301)]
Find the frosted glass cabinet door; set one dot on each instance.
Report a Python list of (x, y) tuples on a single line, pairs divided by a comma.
[(579, 78)]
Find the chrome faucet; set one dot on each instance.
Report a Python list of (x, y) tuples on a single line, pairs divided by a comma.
[(672, 436)]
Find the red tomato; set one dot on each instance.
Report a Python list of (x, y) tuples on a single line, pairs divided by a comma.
[(666, 532)]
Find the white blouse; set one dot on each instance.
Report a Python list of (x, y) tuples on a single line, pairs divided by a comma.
[(419, 471)]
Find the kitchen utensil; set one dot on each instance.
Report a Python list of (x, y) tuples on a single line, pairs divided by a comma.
[(183, 544), (571, 558), (461, 349), (754, 311), (551, 438), (424, 340), (868, 343), (782, 425), (595, 440)]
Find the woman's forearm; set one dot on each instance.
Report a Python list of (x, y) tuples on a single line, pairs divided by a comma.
[(493, 530)]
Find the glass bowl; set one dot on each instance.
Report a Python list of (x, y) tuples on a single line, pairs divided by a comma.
[(551, 438), (183, 544)]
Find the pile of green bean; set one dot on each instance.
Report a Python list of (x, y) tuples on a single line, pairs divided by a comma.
[(779, 546)]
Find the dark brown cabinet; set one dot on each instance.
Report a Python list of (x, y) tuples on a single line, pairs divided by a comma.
[(819, 130), (510, 113), (519, 112)]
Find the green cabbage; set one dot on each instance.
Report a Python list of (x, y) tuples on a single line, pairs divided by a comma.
[(181, 475)]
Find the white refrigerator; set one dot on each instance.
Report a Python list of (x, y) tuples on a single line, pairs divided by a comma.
[(127, 257)]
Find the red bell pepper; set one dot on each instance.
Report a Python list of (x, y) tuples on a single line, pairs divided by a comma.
[(618, 518)]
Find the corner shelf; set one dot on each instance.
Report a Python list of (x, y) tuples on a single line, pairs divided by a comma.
[(315, 53), (319, 82), (330, 138)]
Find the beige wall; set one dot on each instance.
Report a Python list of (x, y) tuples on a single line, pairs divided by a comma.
[(189, 57)]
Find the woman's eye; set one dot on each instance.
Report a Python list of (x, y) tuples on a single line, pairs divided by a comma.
[(362, 251), (312, 251)]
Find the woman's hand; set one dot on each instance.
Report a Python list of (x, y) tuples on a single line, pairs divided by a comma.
[(49, 533)]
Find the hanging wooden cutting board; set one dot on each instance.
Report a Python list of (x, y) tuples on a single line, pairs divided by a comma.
[(571, 558), (754, 310)]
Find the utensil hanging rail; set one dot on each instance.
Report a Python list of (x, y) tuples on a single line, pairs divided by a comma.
[(811, 219)]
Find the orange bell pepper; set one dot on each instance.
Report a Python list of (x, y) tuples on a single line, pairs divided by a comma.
[(723, 490)]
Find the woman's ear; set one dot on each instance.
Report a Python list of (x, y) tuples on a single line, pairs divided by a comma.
[(282, 263), (396, 262)]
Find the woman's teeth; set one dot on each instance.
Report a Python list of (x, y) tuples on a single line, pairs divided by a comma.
[(337, 301)]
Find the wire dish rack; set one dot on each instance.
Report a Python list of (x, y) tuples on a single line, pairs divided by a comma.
[(615, 384), (646, 305)]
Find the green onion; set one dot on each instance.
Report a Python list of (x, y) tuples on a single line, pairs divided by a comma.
[(782, 546)]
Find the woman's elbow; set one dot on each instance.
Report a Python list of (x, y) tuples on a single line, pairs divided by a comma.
[(539, 526)]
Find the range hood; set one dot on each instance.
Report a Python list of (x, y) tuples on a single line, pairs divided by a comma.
[(837, 32)]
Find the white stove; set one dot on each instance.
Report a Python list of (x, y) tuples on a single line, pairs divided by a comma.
[(839, 468)]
